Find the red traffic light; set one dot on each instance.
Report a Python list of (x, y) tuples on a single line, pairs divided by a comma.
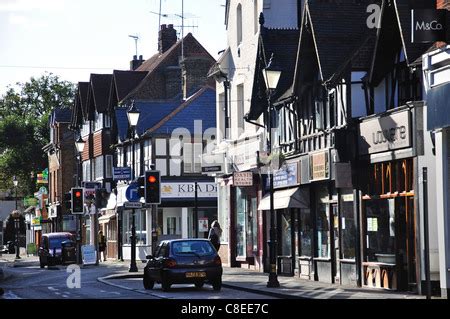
[(152, 179), (77, 194)]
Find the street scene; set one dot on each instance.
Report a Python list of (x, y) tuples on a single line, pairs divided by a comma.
[(225, 149)]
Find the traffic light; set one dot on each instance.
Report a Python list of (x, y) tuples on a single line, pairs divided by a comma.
[(152, 187), (67, 201), (77, 200)]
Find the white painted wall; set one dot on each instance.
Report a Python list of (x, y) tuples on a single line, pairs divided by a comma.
[(429, 161)]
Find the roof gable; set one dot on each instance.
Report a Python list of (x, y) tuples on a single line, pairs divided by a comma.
[(99, 88), (158, 62), (122, 83)]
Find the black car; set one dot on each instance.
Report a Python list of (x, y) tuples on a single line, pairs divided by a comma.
[(51, 251), (184, 261)]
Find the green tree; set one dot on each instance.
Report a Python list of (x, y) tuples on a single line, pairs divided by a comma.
[(24, 128)]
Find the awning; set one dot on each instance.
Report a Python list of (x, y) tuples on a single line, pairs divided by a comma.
[(287, 198), (105, 218)]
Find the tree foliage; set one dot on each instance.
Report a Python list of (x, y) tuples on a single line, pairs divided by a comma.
[(24, 128)]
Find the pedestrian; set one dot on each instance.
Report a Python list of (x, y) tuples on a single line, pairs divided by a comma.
[(102, 245), (214, 234)]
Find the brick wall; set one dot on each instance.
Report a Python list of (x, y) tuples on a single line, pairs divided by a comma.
[(172, 76), (195, 70), (88, 148), (443, 4)]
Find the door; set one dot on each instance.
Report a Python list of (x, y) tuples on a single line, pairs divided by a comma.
[(336, 250)]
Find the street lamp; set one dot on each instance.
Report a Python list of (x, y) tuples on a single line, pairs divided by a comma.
[(133, 118), (271, 78), (79, 145)]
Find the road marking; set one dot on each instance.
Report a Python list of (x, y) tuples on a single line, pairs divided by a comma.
[(10, 295)]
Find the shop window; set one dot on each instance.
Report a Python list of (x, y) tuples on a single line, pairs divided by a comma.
[(241, 210), (253, 220), (286, 238), (171, 226), (348, 230), (323, 231), (141, 227), (380, 229), (306, 233)]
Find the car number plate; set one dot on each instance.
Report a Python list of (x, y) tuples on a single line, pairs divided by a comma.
[(196, 274)]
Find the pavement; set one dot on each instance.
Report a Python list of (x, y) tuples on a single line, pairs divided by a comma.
[(241, 279)]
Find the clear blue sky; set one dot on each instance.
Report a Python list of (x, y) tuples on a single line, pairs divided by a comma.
[(72, 38)]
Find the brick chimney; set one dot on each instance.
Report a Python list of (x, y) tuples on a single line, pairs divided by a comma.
[(443, 4), (167, 37), (135, 63)]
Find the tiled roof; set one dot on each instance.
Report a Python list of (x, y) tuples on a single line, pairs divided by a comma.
[(199, 107), (162, 117), (169, 58), (338, 41), (99, 88), (123, 82), (80, 101), (282, 43), (151, 113)]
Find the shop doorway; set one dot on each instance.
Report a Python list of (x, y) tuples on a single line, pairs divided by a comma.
[(336, 246), (390, 243)]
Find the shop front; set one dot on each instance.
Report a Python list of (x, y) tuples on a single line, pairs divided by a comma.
[(246, 220), (315, 220), (389, 225)]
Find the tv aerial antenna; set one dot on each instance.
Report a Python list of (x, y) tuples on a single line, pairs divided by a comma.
[(136, 38)]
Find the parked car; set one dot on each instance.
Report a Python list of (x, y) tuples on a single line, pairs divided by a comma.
[(184, 261), (57, 249)]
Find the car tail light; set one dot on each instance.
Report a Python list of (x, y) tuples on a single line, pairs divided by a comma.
[(170, 263), (217, 261)]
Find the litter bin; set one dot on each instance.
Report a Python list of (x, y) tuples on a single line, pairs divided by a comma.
[(68, 252)]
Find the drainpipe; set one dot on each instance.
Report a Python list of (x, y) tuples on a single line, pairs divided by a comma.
[(226, 86)]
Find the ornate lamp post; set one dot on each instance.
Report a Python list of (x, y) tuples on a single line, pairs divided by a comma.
[(79, 144), (16, 216), (271, 78), (133, 118)]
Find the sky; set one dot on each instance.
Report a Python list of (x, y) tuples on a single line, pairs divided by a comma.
[(74, 38)]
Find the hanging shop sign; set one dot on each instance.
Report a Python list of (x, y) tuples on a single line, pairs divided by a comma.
[(243, 179), (121, 173), (386, 133), (428, 25), (319, 166), (30, 201)]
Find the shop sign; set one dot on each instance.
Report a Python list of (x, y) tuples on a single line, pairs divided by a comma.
[(428, 25), (53, 211), (243, 179), (386, 133), (36, 221), (319, 164), (187, 190), (287, 175), (89, 255), (30, 201)]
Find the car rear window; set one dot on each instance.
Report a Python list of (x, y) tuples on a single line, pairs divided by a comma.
[(192, 247), (56, 242)]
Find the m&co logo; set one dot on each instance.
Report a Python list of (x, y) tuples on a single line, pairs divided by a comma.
[(430, 26)]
